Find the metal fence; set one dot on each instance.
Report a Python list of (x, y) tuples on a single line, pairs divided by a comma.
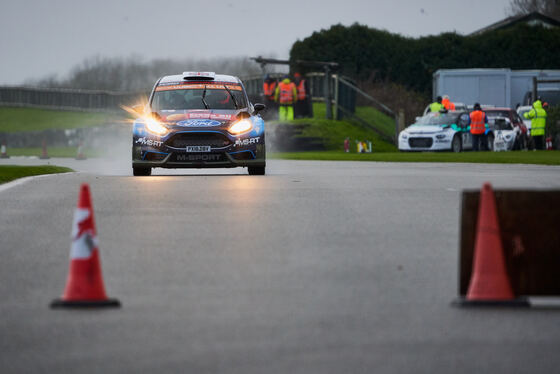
[(67, 99), (343, 94)]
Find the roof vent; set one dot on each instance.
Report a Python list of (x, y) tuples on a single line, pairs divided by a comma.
[(199, 75)]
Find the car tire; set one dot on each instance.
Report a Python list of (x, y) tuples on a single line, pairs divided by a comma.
[(490, 142), (141, 172), (256, 170), (456, 144)]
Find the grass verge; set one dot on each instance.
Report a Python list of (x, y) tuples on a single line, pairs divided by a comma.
[(32, 119), (538, 157), (53, 152), (10, 172)]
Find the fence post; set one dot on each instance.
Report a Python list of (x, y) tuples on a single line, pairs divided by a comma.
[(328, 99), (336, 95), (400, 125)]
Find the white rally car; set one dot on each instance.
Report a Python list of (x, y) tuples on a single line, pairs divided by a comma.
[(441, 131)]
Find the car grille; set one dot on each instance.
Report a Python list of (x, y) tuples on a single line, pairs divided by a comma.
[(186, 139), (420, 142)]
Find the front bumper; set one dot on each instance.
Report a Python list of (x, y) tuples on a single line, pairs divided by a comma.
[(222, 150), (424, 143)]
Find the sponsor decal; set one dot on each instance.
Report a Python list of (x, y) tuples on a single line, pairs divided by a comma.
[(248, 141), (199, 123), (198, 115), (149, 142), (200, 157), (197, 86)]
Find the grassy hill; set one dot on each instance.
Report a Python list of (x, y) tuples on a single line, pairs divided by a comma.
[(31, 119)]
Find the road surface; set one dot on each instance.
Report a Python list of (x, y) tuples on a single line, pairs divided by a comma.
[(317, 267)]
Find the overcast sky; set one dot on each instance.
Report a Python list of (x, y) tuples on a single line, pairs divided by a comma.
[(42, 37)]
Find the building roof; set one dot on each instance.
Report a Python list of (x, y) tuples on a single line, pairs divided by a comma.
[(532, 19)]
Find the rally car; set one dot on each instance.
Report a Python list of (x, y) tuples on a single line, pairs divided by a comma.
[(199, 120), (447, 130)]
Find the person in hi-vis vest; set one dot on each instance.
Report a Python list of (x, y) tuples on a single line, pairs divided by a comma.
[(286, 96), (478, 123)]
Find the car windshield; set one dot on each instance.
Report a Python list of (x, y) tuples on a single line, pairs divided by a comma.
[(198, 96), (437, 119)]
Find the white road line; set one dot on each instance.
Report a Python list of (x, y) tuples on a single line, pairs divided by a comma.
[(20, 181)]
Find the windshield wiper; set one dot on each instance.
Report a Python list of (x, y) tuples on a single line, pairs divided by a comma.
[(232, 97), (203, 96)]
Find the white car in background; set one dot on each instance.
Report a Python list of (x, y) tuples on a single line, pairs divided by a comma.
[(521, 111)]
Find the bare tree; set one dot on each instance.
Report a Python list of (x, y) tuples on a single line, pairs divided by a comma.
[(549, 8)]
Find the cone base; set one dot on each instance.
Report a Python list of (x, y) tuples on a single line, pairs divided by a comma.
[(516, 303), (108, 303)]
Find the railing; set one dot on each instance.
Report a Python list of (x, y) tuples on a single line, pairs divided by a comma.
[(343, 94), (67, 99)]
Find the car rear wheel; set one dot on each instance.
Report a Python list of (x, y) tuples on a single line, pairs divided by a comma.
[(256, 170), (141, 172), (456, 144)]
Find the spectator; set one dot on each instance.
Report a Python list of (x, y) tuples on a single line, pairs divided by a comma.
[(478, 122), (436, 106), (301, 107), (447, 104), (537, 115), (286, 96)]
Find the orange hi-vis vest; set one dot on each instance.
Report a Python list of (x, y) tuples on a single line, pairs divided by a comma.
[(268, 89), (286, 93), (301, 90), (447, 104), (477, 122)]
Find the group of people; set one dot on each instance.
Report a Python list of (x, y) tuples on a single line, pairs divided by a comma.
[(291, 98), (479, 121)]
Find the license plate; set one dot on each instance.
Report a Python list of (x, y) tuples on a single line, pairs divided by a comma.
[(198, 148)]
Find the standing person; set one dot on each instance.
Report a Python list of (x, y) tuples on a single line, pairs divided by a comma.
[(537, 115), (347, 145), (478, 122), (447, 104), (286, 96), (436, 106), (301, 105), (269, 87)]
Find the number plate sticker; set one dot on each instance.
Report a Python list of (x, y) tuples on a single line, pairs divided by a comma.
[(198, 148)]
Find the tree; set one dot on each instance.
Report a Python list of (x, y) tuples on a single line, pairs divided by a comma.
[(550, 8)]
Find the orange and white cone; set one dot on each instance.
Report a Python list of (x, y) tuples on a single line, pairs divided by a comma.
[(44, 154), (84, 287), (489, 284)]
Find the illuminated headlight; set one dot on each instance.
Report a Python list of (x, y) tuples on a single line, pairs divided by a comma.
[(440, 136), (240, 127), (153, 126)]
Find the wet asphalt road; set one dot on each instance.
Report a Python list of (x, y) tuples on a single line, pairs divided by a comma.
[(318, 267)]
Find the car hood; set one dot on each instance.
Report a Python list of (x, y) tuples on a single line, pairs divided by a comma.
[(424, 129)]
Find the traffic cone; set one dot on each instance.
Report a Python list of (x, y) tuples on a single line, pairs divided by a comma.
[(80, 155), (3, 152), (489, 284), (45, 155), (84, 286)]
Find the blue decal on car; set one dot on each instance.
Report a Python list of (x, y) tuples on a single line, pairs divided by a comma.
[(199, 123)]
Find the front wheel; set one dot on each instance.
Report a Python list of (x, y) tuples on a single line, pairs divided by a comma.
[(256, 170), (141, 172), (456, 144)]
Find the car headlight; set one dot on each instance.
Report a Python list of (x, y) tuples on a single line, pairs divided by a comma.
[(441, 136), (508, 137), (404, 136), (155, 127), (240, 127)]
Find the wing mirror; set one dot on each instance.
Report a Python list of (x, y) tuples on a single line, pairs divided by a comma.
[(259, 107)]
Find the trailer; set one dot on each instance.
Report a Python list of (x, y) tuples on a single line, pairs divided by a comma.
[(499, 87)]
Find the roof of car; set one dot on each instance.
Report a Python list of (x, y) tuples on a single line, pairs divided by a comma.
[(217, 78), (499, 109)]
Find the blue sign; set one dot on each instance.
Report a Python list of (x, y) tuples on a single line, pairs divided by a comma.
[(199, 123)]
